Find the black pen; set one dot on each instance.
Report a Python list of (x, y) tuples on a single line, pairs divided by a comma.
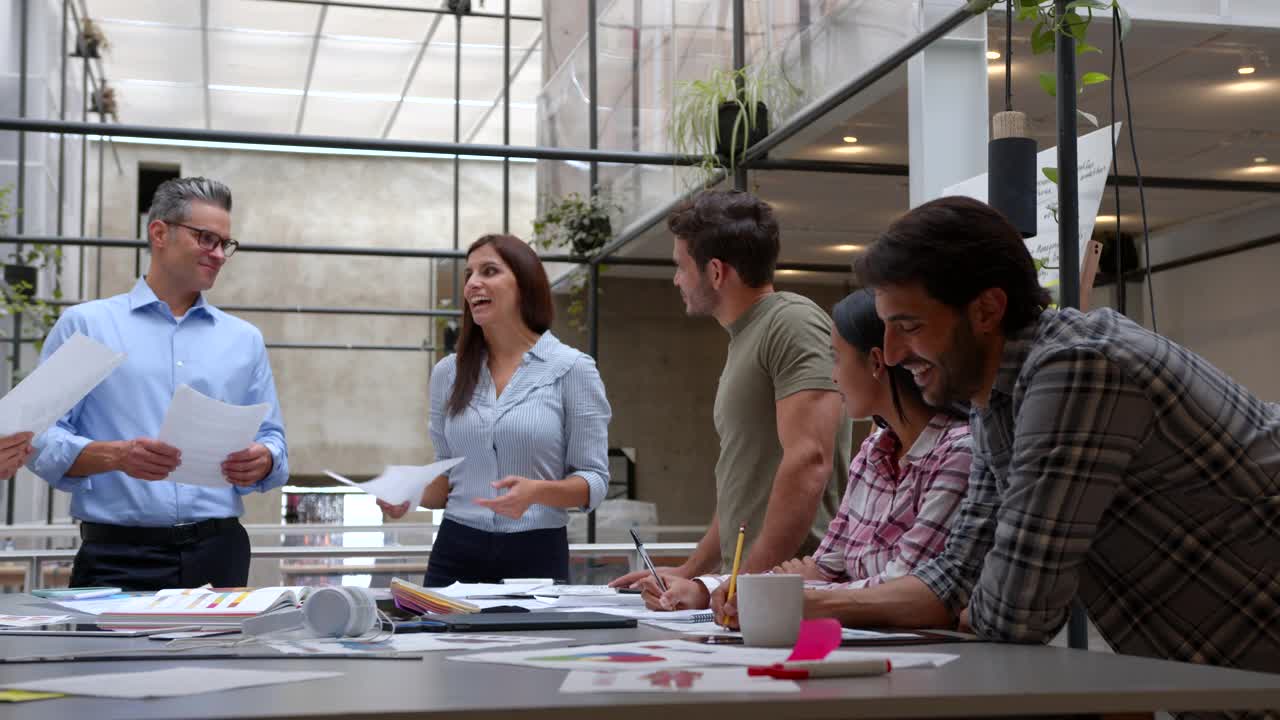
[(647, 562)]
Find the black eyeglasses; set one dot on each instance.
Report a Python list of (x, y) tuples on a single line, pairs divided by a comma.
[(208, 240)]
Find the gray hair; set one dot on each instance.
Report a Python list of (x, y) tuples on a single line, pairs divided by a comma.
[(172, 201)]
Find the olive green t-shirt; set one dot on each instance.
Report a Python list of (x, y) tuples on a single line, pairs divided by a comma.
[(779, 347)]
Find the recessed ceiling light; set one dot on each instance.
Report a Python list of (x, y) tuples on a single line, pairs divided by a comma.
[(1260, 160), (993, 55), (846, 248), (1246, 69), (850, 139), (788, 272), (1106, 219)]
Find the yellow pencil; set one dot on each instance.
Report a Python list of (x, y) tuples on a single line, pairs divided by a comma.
[(737, 563)]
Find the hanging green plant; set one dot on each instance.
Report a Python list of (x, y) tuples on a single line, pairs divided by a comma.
[(720, 117), (579, 226)]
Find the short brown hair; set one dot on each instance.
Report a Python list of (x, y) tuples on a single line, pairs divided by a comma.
[(537, 310), (956, 247), (734, 227)]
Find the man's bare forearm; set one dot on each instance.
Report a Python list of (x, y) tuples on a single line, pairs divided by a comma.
[(99, 457), (793, 503), (706, 557), (905, 602)]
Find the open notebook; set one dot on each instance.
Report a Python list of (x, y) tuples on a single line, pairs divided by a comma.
[(201, 606)]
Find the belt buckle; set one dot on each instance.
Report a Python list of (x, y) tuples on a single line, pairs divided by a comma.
[(185, 533)]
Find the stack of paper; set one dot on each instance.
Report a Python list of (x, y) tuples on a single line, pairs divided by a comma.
[(415, 598)]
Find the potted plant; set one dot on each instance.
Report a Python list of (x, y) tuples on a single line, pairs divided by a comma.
[(580, 226), (91, 41), (104, 102), (720, 117), (21, 277)]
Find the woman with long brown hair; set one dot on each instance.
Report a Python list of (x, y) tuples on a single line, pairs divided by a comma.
[(530, 416)]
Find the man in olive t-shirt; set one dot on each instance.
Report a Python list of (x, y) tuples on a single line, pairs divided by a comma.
[(784, 439), (781, 346)]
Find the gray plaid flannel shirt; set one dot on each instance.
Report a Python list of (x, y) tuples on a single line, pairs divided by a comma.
[(1114, 463)]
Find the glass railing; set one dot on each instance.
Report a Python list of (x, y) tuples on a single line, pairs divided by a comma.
[(645, 52)]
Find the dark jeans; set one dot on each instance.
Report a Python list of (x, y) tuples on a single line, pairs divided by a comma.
[(463, 554), (221, 560)]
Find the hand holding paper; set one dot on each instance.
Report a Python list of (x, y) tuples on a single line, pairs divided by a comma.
[(399, 484), (206, 431)]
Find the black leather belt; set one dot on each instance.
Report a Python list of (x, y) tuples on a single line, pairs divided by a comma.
[(177, 535)]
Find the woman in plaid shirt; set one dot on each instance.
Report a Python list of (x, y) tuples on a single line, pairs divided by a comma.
[(905, 484)]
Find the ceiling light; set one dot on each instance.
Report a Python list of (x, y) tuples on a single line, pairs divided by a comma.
[(1246, 69), (993, 55), (788, 272), (1260, 160), (1106, 219), (846, 248), (1261, 169), (850, 139)]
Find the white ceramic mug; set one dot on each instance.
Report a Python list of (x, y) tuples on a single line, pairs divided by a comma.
[(770, 608)]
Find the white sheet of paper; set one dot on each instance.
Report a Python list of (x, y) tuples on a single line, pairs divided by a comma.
[(621, 656), (56, 385), (463, 591), (207, 431), (170, 682), (96, 606), (22, 621), (414, 643), (693, 628), (1094, 163), (400, 483), (855, 634), (699, 680)]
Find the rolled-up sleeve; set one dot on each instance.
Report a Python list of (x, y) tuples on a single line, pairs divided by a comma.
[(952, 574), (586, 428), (57, 448), (271, 432)]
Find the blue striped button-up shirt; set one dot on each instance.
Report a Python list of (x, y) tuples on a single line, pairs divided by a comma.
[(551, 422), (218, 354)]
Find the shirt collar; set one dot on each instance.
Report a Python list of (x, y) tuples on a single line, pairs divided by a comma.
[(751, 313), (142, 296), (544, 349), (1016, 350), (888, 443)]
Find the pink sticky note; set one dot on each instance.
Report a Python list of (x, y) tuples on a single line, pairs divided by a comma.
[(816, 640)]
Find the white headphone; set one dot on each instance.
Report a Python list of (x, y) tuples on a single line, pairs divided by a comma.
[(340, 611)]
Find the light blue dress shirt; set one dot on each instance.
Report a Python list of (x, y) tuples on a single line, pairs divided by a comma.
[(551, 422), (218, 354)]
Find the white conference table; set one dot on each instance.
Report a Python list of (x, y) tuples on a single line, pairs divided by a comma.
[(988, 679)]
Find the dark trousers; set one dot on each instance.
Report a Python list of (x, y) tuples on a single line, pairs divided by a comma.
[(464, 554), (221, 560)]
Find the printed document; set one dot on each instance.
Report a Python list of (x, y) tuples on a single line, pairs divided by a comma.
[(400, 483), (206, 431)]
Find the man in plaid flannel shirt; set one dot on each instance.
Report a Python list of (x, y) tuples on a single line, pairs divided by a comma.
[(1109, 462)]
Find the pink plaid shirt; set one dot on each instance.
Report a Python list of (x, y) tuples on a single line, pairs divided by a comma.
[(896, 516)]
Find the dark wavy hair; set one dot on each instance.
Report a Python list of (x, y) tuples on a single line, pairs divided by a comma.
[(536, 310), (956, 247), (856, 320), (732, 226)]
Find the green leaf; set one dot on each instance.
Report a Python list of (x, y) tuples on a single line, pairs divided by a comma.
[(1126, 23), (1093, 119), (1084, 47), (1042, 39), (1076, 26), (1050, 83), (1051, 173), (1093, 78)]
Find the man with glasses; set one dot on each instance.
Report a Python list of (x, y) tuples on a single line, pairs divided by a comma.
[(140, 531)]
